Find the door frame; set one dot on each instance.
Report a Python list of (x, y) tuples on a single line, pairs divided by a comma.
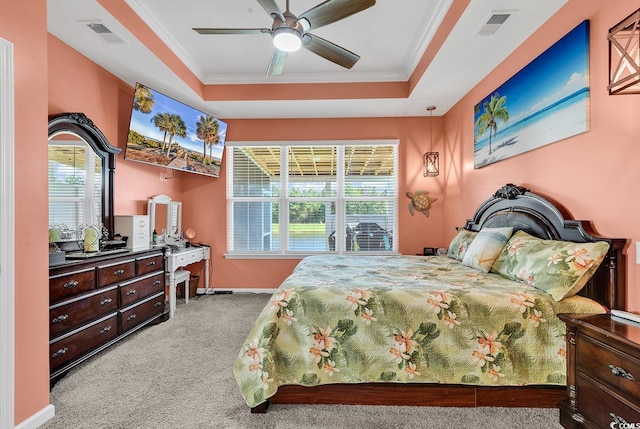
[(7, 232)]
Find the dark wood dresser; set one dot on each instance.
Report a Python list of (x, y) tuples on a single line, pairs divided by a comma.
[(95, 302), (603, 372)]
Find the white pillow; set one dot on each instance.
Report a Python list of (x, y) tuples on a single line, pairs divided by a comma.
[(485, 248)]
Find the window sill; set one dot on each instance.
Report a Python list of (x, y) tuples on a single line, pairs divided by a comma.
[(301, 255)]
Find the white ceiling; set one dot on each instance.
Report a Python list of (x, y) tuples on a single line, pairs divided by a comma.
[(390, 37)]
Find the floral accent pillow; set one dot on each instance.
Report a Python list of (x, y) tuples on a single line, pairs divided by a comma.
[(485, 248), (560, 268), (460, 243)]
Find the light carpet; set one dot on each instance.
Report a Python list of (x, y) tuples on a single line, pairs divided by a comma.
[(177, 374)]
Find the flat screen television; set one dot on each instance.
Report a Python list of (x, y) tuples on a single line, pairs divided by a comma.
[(171, 134)]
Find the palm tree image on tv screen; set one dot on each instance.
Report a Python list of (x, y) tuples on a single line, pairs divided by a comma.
[(171, 134)]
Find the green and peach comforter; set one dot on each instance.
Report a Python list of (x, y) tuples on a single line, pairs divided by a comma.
[(403, 319)]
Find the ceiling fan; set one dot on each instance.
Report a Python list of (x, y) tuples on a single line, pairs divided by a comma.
[(290, 32)]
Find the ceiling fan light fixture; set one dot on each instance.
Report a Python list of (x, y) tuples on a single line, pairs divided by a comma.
[(287, 39)]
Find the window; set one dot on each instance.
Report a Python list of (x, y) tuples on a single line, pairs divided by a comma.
[(338, 197)]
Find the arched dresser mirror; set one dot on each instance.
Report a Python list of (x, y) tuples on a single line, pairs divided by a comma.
[(165, 216), (81, 171)]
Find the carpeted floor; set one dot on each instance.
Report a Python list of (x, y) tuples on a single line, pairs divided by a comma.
[(178, 375)]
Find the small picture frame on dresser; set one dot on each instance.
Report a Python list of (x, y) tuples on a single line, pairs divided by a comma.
[(429, 251)]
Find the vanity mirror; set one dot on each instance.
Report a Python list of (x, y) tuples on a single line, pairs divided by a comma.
[(81, 171), (165, 216)]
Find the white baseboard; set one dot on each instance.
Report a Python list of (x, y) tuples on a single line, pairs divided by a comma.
[(39, 418), (212, 291)]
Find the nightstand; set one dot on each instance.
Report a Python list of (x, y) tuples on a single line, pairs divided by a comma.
[(603, 372)]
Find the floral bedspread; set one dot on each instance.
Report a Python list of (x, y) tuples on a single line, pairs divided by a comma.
[(353, 319)]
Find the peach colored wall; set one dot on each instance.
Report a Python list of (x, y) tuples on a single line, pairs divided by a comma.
[(24, 24), (204, 199), (77, 84), (563, 170)]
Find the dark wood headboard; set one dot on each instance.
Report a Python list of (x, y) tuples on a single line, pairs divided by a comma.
[(516, 206)]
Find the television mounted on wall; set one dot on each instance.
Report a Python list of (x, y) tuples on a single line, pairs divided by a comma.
[(171, 134)]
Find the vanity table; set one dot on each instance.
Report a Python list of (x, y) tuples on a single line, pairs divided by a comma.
[(166, 215), (182, 258)]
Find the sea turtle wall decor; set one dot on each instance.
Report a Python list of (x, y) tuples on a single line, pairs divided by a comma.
[(420, 201)]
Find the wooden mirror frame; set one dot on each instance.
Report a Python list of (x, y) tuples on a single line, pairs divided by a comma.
[(81, 126)]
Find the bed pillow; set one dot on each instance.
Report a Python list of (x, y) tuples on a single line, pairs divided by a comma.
[(485, 248), (579, 304), (560, 268), (460, 243)]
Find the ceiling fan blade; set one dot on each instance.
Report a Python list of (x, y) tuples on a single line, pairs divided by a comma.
[(271, 8), (276, 64), (334, 10), (231, 30), (330, 51)]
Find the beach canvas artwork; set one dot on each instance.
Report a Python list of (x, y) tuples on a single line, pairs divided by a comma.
[(171, 134), (545, 102)]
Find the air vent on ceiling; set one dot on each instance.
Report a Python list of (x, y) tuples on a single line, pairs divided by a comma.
[(104, 32), (494, 23)]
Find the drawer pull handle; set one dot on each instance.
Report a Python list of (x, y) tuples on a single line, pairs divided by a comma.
[(60, 318), (118, 272), (131, 292), (157, 304), (106, 301), (105, 330), (157, 282), (71, 284), (150, 264), (60, 353), (619, 372), (617, 419), (133, 316)]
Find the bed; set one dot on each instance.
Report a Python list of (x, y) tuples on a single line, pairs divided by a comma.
[(474, 327)]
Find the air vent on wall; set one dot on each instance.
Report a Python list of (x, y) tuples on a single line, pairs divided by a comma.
[(103, 31), (493, 23)]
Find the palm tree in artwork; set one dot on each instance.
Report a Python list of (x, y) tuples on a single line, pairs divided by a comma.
[(494, 110), (162, 121), (143, 99), (207, 130), (177, 128)]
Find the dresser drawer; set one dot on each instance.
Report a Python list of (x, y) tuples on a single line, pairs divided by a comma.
[(114, 273), (135, 290), (138, 313), (70, 314), (603, 407), (609, 366), (68, 347), (68, 284), (150, 264)]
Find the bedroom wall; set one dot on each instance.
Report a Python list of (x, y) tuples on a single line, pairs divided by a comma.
[(77, 84), (594, 175), (24, 24), (204, 199)]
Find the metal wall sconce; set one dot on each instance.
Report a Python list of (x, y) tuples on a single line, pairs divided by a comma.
[(624, 56), (431, 160)]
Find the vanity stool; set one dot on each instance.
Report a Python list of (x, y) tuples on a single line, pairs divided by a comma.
[(180, 277)]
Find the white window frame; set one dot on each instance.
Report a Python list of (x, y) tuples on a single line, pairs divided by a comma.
[(283, 200), (89, 201)]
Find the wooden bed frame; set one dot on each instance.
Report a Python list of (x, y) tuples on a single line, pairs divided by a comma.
[(510, 206)]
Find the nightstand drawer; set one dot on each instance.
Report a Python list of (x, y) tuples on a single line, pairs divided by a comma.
[(607, 365), (602, 407)]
